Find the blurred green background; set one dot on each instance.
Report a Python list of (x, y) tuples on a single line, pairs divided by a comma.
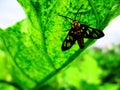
[(30, 51)]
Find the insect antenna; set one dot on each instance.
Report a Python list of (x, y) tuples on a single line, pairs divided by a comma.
[(78, 11), (65, 17)]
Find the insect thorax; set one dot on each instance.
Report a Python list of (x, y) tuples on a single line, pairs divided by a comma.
[(76, 25)]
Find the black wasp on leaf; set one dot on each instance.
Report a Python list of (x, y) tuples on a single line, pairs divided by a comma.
[(78, 32)]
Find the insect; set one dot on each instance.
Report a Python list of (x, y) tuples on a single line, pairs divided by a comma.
[(78, 32)]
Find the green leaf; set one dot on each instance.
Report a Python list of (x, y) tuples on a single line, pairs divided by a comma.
[(34, 44)]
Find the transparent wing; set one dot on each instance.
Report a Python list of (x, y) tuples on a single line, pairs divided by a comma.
[(69, 40), (91, 33)]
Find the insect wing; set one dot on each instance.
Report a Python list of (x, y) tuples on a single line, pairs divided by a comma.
[(91, 33), (69, 40)]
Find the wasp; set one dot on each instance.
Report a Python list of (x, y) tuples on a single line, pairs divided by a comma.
[(78, 32)]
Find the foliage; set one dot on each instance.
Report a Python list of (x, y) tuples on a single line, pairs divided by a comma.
[(31, 49), (95, 70)]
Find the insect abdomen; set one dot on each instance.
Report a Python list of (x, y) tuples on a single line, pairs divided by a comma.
[(80, 41)]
